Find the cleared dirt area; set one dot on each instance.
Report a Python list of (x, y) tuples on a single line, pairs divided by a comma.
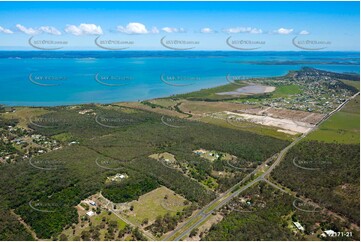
[(301, 116), (286, 124)]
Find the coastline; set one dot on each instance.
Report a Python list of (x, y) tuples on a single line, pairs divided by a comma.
[(235, 92)]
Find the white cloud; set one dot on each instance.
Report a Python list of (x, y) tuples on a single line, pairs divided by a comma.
[(155, 30), (207, 31), (237, 30), (29, 31), (256, 31), (5, 31), (84, 29), (49, 30), (283, 31), (137, 28), (304, 32), (42, 29), (173, 30)]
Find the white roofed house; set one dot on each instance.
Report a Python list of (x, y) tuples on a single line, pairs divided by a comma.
[(299, 226)]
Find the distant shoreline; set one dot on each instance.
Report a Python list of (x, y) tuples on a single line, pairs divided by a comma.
[(187, 71), (267, 89)]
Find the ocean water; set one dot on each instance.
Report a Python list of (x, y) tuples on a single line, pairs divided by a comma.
[(36, 78)]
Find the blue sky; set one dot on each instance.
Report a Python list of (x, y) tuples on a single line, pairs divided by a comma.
[(205, 25)]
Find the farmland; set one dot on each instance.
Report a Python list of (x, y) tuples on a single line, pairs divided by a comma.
[(343, 127)]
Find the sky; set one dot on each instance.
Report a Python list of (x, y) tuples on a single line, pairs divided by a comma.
[(275, 26)]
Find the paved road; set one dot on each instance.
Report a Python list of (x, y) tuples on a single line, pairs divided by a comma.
[(218, 199), (201, 216)]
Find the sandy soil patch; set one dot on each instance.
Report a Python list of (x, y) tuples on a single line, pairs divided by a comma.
[(285, 124), (249, 90), (307, 117)]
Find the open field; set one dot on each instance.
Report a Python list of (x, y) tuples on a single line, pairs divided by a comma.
[(155, 203), (355, 84), (24, 115), (157, 109), (201, 107), (342, 127)]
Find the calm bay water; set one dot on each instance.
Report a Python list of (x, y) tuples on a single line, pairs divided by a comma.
[(38, 78)]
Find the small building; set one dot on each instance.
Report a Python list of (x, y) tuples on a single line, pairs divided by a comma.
[(299, 226), (90, 213)]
